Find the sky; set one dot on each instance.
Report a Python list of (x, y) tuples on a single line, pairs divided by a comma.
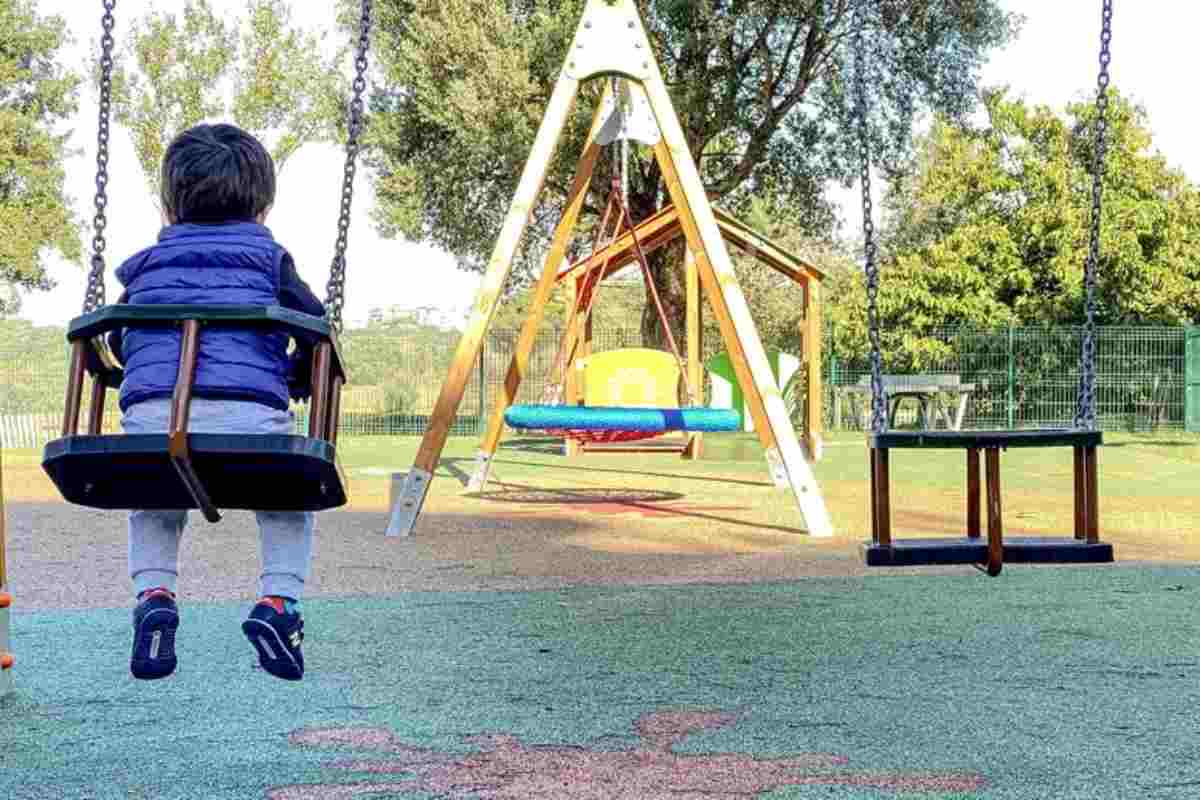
[(1053, 61)]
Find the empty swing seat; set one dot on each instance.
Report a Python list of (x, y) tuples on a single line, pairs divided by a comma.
[(628, 395), (650, 421), (206, 471), (992, 551)]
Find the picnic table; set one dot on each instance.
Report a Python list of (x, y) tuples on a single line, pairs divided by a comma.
[(940, 398)]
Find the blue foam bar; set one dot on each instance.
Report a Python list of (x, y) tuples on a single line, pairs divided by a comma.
[(589, 418)]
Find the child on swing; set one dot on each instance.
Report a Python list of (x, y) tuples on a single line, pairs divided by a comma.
[(218, 185)]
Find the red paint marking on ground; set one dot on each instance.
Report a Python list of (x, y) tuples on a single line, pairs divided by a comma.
[(648, 510), (504, 768)]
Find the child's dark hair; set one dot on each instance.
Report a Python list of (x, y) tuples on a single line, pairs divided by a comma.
[(217, 173)]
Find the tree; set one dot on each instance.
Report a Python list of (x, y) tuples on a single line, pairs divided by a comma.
[(268, 76), (990, 226), (759, 85), (37, 92)]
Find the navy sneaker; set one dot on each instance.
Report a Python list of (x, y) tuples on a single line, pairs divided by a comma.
[(276, 630), (154, 622)]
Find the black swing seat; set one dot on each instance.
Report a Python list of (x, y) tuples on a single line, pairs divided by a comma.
[(265, 472), (981, 439), (1017, 550)]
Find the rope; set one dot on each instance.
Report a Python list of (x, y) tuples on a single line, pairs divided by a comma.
[(583, 303), (662, 315)]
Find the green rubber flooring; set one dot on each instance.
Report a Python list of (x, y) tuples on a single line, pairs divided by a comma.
[(1045, 683)]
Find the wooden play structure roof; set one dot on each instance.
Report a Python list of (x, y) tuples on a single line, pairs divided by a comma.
[(665, 226)]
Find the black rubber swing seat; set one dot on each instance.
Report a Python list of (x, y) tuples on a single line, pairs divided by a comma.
[(957, 551), (979, 439), (262, 472)]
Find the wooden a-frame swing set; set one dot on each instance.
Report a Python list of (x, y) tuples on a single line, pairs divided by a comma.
[(611, 41)]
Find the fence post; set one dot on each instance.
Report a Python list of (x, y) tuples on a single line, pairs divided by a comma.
[(1012, 378), (1191, 412), (835, 404)]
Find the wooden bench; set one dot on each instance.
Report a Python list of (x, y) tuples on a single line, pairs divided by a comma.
[(927, 389)]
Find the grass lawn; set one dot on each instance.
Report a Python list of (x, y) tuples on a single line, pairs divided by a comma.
[(1149, 508)]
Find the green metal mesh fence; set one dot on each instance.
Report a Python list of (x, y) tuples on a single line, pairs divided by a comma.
[(1027, 377), (1018, 378)]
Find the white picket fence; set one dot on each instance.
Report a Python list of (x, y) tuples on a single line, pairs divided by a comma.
[(33, 431), (28, 431)]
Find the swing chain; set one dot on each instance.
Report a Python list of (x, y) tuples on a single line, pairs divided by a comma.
[(336, 288), (94, 294), (871, 268), (1085, 414)]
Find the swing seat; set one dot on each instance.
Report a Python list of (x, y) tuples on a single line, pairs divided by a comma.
[(181, 470), (592, 423), (628, 395), (263, 472), (994, 549)]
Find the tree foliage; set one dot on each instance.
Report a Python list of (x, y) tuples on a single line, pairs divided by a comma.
[(990, 226), (180, 68), (37, 92), (759, 86)]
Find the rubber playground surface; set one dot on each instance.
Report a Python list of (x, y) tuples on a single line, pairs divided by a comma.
[(584, 635)]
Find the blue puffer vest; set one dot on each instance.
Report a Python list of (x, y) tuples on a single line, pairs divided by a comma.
[(228, 264)]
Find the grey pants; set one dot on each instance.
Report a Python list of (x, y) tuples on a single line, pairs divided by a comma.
[(285, 537)]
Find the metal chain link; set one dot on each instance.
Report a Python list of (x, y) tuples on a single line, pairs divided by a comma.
[(1085, 413), (93, 296), (336, 288), (878, 393)]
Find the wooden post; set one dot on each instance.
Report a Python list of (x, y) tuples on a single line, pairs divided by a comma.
[(873, 497), (335, 410), (1080, 495), (75, 374), (541, 295), (973, 528), (1093, 505), (177, 426), (318, 407), (695, 330), (96, 408), (185, 379), (416, 483), (995, 562), (881, 497), (582, 333), (737, 326)]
